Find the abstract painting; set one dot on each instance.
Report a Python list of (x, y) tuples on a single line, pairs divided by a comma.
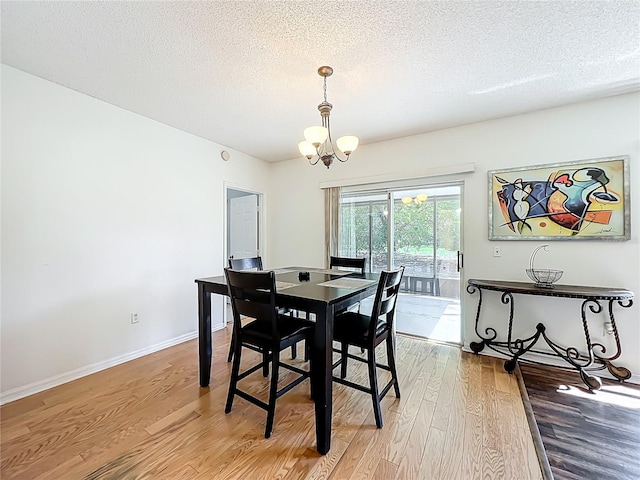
[(588, 200)]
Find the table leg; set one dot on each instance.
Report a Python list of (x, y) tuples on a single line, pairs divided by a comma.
[(322, 356), (204, 334)]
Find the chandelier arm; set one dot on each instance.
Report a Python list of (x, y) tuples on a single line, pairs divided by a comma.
[(334, 150), (335, 154), (329, 134), (317, 160), (322, 149)]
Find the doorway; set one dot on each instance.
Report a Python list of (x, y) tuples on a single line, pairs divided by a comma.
[(243, 228), (420, 228), (243, 224)]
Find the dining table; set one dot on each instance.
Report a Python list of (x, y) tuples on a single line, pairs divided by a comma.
[(316, 291)]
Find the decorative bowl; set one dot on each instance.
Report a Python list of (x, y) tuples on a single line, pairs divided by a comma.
[(544, 277)]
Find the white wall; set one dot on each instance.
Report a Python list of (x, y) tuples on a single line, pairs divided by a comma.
[(588, 130), (104, 213)]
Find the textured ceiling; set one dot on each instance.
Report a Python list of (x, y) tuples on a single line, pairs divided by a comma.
[(243, 73)]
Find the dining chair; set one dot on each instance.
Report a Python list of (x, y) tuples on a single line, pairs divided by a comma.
[(369, 331), (244, 264), (253, 295), (357, 264), (250, 263)]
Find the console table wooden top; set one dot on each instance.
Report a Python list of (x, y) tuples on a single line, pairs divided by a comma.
[(557, 290)]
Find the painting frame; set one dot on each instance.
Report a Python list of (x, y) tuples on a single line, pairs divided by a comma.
[(575, 200)]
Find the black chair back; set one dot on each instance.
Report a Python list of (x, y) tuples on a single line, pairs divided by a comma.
[(250, 263), (253, 295), (385, 300), (346, 262)]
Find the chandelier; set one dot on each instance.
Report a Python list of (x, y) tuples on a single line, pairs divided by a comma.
[(318, 142), (420, 198)]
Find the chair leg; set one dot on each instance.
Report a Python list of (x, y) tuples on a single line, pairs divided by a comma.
[(232, 346), (306, 352), (373, 380), (265, 363), (344, 349), (235, 371), (294, 351), (391, 361), (273, 391), (358, 310)]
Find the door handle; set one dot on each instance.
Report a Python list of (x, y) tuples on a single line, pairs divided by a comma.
[(460, 260)]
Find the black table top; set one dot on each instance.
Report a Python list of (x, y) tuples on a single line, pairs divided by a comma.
[(305, 289), (558, 290)]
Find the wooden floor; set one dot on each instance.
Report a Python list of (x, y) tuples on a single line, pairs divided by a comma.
[(460, 417), (586, 435)]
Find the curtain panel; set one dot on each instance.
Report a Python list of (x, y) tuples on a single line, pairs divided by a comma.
[(331, 222)]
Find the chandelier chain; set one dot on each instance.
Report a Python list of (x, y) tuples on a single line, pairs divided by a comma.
[(325, 89)]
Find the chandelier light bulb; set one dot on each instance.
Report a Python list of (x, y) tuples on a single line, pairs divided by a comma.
[(316, 135), (307, 149), (347, 144)]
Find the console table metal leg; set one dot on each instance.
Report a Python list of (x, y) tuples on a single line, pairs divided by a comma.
[(477, 347), (621, 373), (572, 356), (521, 346)]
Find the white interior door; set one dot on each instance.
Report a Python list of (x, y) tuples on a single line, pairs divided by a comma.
[(243, 226)]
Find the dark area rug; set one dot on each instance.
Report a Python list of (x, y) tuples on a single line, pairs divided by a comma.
[(582, 435)]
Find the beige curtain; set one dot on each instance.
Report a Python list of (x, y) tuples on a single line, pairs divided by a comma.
[(331, 222)]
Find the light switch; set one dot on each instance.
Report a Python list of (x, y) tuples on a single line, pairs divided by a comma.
[(497, 252)]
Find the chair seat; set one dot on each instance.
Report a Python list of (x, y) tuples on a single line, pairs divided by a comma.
[(287, 327), (255, 264), (353, 328)]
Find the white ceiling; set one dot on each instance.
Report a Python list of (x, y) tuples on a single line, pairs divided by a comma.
[(243, 73)]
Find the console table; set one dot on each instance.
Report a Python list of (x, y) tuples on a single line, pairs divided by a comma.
[(592, 298)]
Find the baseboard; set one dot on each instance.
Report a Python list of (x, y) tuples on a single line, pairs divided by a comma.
[(56, 380)]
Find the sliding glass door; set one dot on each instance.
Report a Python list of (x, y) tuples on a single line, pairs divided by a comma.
[(420, 229)]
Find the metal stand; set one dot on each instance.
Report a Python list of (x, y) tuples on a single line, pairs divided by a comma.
[(593, 299)]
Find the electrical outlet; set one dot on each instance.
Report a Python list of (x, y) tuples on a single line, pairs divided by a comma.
[(608, 328), (134, 318), (497, 251)]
